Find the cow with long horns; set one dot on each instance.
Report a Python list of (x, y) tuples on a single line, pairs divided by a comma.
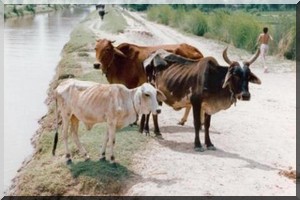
[(203, 85)]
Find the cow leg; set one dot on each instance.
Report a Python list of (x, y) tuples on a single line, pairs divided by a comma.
[(65, 128), (156, 127), (196, 103), (74, 131), (111, 141), (208, 143), (105, 141), (146, 128), (185, 116), (142, 124)]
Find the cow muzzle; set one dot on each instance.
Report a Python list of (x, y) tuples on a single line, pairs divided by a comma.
[(97, 65), (158, 111), (244, 96)]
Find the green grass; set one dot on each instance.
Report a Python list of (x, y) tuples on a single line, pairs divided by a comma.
[(80, 37), (92, 177)]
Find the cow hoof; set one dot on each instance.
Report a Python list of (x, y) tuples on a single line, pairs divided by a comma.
[(199, 149), (87, 159), (134, 124), (69, 162), (212, 148), (181, 123), (158, 136), (157, 133), (102, 159)]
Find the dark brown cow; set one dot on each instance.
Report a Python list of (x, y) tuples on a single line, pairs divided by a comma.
[(124, 64), (183, 80)]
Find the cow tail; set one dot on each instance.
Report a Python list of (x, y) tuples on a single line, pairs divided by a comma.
[(56, 133)]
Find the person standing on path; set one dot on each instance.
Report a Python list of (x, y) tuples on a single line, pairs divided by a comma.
[(263, 40)]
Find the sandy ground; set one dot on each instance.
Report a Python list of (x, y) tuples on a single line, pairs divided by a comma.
[(255, 140)]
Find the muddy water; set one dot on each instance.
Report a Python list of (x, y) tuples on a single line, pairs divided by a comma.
[(32, 47)]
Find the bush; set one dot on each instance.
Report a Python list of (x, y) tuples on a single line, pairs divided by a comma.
[(30, 8), (195, 22), (285, 37), (161, 14), (218, 27), (287, 44), (178, 17), (243, 32), (15, 10)]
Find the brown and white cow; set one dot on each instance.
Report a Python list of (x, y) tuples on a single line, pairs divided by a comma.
[(204, 85), (124, 64), (93, 103)]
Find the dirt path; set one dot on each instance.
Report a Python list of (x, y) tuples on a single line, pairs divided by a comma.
[(255, 140)]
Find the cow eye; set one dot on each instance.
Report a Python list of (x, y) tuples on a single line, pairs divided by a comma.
[(147, 95)]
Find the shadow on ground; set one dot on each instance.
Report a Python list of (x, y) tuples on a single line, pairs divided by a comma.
[(188, 147)]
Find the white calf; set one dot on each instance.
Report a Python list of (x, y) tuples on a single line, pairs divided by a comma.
[(93, 103)]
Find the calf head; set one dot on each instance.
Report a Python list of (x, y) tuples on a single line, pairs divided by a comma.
[(105, 54), (239, 75), (147, 97)]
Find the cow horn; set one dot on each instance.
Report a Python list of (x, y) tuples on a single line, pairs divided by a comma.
[(225, 57), (120, 53), (254, 57)]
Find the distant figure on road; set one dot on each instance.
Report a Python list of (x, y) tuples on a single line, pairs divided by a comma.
[(263, 40), (101, 11)]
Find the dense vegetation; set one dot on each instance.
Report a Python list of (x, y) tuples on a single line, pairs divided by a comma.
[(239, 25)]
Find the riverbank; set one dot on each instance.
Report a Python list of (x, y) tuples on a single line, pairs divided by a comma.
[(44, 171), (13, 11), (24, 99)]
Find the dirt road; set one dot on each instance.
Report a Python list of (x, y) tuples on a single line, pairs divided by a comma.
[(255, 140)]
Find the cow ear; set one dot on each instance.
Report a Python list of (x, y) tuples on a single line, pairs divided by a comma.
[(160, 95), (120, 53), (147, 62), (158, 61), (226, 81), (228, 76), (254, 79)]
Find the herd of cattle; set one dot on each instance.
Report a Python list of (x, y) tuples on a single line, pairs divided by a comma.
[(178, 75)]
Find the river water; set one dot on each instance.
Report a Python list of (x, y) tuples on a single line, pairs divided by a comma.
[(32, 47)]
